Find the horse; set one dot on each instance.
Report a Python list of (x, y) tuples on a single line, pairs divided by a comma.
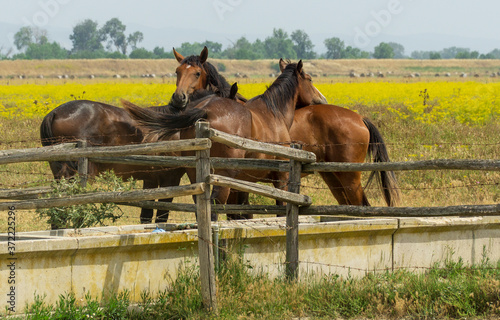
[(337, 134), (267, 117), (102, 124)]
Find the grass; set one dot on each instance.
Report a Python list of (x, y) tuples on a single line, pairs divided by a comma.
[(252, 68), (407, 140), (450, 291)]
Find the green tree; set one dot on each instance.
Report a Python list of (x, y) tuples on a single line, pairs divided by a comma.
[(29, 35), (420, 54), (303, 45), (279, 45), (244, 49), (335, 48), (46, 51), (494, 54), (23, 38), (114, 31), (452, 52), (434, 55), (383, 51), (188, 49), (86, 37), (141, 53), (398, 49), (160, 53), (355, 53), (214, 48), (134, 39)]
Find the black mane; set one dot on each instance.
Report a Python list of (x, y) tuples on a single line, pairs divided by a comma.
[(281, 90), (217, 85)]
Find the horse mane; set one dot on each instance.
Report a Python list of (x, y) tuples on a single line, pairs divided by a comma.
[(195, 99), (281, 90), (217, 84)]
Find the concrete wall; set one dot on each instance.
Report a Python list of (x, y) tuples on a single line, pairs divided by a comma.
[(112, 259)]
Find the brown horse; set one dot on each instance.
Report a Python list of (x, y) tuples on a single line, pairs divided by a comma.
[(337, 134), (105, 125), (267, 117)]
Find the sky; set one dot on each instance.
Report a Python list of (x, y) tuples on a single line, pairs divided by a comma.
[(416, 24)]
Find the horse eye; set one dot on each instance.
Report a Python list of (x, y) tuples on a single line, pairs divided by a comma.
[(198, 74)]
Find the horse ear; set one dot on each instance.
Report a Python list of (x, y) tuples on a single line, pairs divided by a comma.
[(204, 55), (282, 64), (178, 56), (233, 91), (299, 67)]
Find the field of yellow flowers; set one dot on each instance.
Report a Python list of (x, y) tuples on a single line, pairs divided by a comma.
[(419, 121), (471, 103)]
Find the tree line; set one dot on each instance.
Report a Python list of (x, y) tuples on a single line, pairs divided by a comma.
[(90, 41)]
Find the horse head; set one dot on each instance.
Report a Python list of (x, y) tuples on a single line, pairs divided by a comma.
[(308, 94), (191, 76)]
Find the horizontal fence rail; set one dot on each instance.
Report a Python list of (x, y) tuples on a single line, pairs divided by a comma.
[(261, 147), (66, 154), (283, 166), (259, 189), (24, 193), (442, 164), (106, 197), (190, 162)]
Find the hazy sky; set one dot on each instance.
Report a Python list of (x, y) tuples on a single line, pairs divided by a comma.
[(417, 24)]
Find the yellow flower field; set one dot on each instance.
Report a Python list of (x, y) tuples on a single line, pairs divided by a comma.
[(472, 103)]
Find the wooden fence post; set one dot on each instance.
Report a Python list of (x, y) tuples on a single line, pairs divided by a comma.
[(203, 211), (292, 221), (83, 165)]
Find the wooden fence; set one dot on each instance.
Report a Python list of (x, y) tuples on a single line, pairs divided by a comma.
[(297, 204)]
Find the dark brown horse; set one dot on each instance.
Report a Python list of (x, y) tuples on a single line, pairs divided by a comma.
[(267, 117), (105, 125), (337, 134)]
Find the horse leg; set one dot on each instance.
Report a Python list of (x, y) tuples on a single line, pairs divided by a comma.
[(280, 181), (346, 187), (238, 197), (147, 214), (170, 179)]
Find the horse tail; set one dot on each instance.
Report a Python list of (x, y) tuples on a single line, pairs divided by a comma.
[(46, 135), (377, 151), (164, 125), (59, 168)]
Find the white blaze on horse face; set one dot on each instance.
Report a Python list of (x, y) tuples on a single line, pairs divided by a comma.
[(188, 66)]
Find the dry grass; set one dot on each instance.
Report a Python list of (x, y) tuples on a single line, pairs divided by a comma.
[(406, 141), (251, 68)]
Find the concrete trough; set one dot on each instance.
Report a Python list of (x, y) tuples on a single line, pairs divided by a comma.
[(112, 259)]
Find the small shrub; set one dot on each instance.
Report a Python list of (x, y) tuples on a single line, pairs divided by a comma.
[(221, 67), (87, 215)]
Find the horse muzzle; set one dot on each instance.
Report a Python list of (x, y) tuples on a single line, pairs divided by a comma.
[(180, 100)]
